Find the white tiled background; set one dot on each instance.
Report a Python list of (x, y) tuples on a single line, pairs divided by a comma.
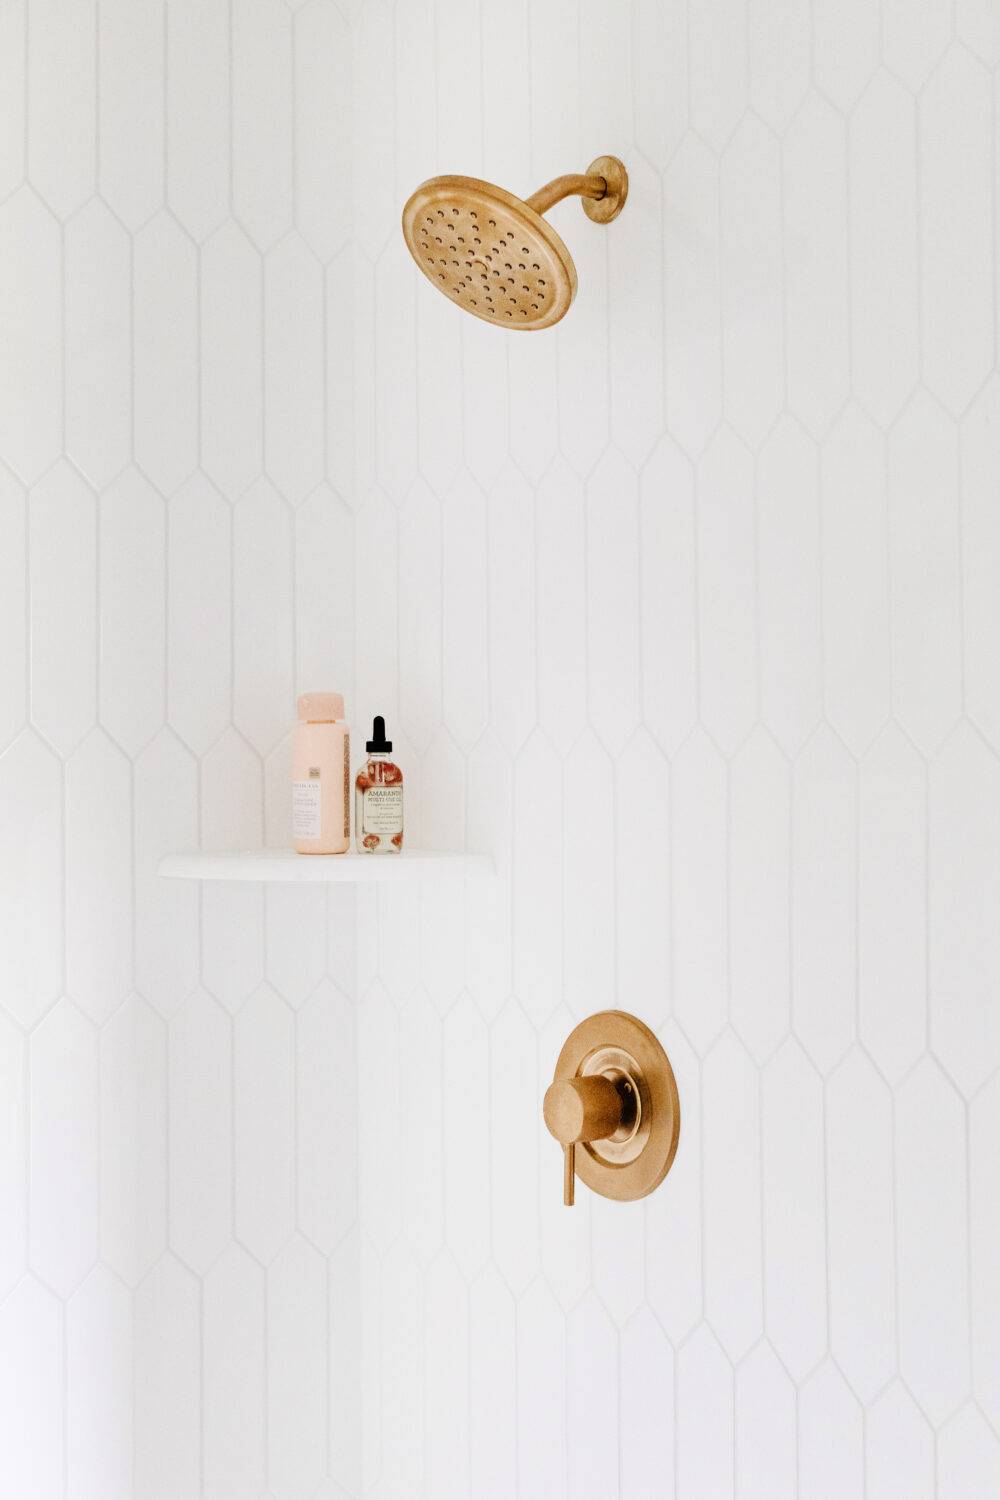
[(689, 610)]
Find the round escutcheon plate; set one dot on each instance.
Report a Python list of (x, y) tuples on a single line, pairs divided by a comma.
[(636, 1159)]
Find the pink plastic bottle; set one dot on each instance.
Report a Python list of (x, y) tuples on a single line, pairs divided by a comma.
[(321, 776)]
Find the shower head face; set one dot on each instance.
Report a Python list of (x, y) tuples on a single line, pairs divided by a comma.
[(489, 253)]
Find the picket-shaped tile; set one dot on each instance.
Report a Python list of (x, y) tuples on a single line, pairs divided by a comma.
[(13, 1153), (779, 57), (327, 1185), (166, 911), (233, 1372), (588, 878), (512, 609), (64, 1149), (515, 1172), (718, 69), (167, 1382), (860, 1226), (646, 1420), (824, 899), (198, 112), (165, 341), (322, 139), (394, 330), (561, 538), (62, 99), (392, 1297), (98, 876), (232, 278), (422, 1107), (752, 279), (698, 796), (506, 87), (964, 886), (32, 1385), (463, 603), (914, 37), (439, 375), (892, 904), (765, 1435), (263, 613), (924, 572), (932, 1241), (899, 1448), (420, 628), (296, 1370), (978, 26), (62, 542), (705, 1416), (376, 621), (817, 324), (131, 127), (492, 1388), (132, 593), (792, 1173), (446, 1381), (759, 894), (537, 878), (31, 884), (465, 1082), (133, 1140), (732, 1150), (13, 606), (668, 602), (485, 419), (13, 89), (641, 896), (727, 605), (984, 1234), (399, 915), (377, 209), (613, 685), (674, 1212), (831, 1439), (99, 1339), (855, 572), (348, 1300), (968, 1458), (635, 304), (380, 1127), (956, 249), (660, 78), (295, 939), (541, 1393), (846, 38), (262, 125), (264, 1124), (884, 247), (293, 369), (693, 315), (789, 566), (489, 819), (200, 1111), (584, 394), (555, 88), (592, 1362), (618, 1254), (198, 613), (414, 141), (324, 592), (980, 457), (533, 404), (98, 332)]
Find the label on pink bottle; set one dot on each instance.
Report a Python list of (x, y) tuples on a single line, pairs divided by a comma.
[(307, 811)]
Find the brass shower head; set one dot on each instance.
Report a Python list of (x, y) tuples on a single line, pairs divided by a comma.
[(494, 255)]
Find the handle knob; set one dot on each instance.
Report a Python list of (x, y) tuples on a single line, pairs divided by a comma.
[(580, 1109)]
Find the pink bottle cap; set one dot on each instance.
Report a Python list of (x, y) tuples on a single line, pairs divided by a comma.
[(321, 708)]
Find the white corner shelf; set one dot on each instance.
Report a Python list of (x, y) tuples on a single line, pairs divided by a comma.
[(269, 865)]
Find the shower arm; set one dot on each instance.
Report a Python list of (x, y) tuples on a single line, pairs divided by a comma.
[(579, 183)]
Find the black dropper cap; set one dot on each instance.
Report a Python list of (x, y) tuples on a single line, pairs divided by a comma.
[(378, 744)]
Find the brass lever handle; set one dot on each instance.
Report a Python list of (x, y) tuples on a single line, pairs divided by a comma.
[(580, 1109)]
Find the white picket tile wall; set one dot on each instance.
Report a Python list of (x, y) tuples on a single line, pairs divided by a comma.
[(688, 611)]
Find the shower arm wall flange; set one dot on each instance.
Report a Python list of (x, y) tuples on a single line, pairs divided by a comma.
[(603, 188)]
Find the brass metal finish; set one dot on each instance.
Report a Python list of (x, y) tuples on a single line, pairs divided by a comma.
[(614, 1106), (494, 254)]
